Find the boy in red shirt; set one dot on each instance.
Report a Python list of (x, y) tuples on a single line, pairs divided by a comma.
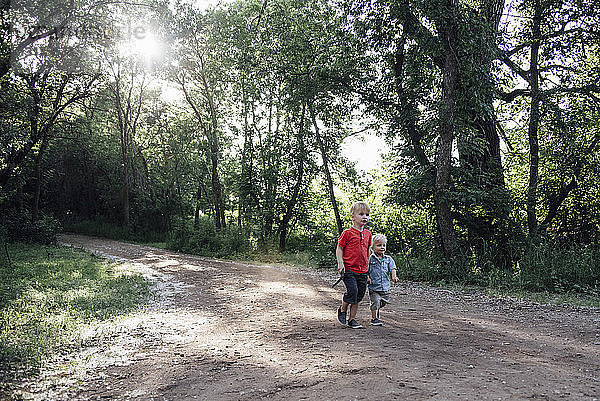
[(352, 255)]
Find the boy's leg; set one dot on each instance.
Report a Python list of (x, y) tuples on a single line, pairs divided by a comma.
[(374, 303), (350, 296), (375, 318), (342, 316), (348, 299), (361, 287), (360, 281)]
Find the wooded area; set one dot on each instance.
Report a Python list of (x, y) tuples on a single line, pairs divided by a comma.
[(221, 129)]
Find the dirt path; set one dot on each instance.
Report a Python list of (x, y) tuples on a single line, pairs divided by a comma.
[(230, 331)]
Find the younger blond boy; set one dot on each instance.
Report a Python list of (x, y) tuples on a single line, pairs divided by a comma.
[(382, 268)]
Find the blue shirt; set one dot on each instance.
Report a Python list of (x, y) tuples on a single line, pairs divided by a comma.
[(380, 271)]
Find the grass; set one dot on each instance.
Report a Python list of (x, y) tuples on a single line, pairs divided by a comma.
[(553, 278), (298, 259), (47, 295), (548, 298)]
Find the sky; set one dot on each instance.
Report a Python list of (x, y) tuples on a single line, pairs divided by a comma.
[(203, 4), (365, 150)]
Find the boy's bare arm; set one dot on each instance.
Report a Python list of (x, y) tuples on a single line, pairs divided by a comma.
[(394, 276), (339, 255)]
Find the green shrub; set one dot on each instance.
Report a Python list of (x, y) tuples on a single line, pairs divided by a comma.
[(420, 269), (553, 267), (179, 236), (204, 239), (112, 231), (232, 240), (19, 227)]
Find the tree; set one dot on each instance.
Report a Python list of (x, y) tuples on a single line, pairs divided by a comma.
[(48, 95), (53, 46), (200, 78), (127, 84), (394, 29), (281, 55), (554, 43)]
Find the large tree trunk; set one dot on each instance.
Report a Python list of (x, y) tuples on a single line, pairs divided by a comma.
[(215, 179), (270, 173), (448, 31), (534, 117), (197, 208), (246, 186), (128, 113), (125, 175), (214, 152), (283, 227), (325, 159), (487, 124), (485, 166), (216, 187)]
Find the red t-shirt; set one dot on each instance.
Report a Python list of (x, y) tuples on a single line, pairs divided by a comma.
[(355, 245)]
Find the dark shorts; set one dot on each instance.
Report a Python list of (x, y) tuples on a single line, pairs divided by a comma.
[(356, 285)]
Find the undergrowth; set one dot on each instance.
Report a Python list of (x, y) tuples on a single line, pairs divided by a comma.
[(115, 232), (565, 272)]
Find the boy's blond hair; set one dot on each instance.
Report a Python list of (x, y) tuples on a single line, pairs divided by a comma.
[(360, 207), (379, 238)]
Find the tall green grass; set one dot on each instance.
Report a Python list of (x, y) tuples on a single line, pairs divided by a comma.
[(545, 272), (560, 268), (47, 294)]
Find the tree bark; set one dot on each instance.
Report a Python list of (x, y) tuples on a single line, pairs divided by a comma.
[(534, 117), (214, 151), (283, 227), (197, 208), (325, 159), (271, 158), (245, 186), (448, 30), (484, 120), (123, 107)]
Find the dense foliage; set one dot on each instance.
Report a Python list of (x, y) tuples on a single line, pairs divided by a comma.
[(221, 130)]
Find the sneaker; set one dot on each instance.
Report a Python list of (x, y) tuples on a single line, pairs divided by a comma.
[(376, 322), (341, 316), (354, 324)]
